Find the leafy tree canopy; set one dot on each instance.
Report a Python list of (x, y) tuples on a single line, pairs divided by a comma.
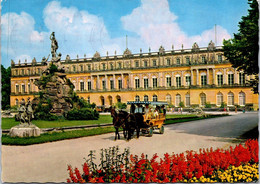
[(6, 87), (242, 50)]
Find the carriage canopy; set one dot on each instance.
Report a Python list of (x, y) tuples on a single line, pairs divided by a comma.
[(146, 102)]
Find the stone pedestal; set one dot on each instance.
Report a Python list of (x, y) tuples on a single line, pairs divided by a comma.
[(25, 131)]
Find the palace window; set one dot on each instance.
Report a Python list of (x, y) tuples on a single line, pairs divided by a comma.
[(22, 71), (89, 85), (29, 87), (16, 102), (203, 79), (178, 61), (168, 99), (137, 83), (241, 78), (81, 68), (203, 99), (89, 67), (203, 59), (137, 98), (230, 99), (17, 88), (29, 72), (145, 98), (178, 81), (187, 100), (39, 71), (145, 64), (146, 84), (119, 65), (188, 80), (168, 62), (187, 60), (155, 98), (136, 64), (82, 86), (219, 58), (219, 99), (74, 68), (103, 66), (242, 99), (119, 84), (111, 66), (154, 82), (104, 84), (154, 62), (168, 81), (111, 84), (230, 79), (220, 79), (177, 100), (23, 88)]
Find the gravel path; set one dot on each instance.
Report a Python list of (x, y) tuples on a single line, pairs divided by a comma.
[(48, 162)]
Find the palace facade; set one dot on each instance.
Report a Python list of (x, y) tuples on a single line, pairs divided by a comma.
[(193, 76)]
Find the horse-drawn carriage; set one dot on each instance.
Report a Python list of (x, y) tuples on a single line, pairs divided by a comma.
[(153, 115)]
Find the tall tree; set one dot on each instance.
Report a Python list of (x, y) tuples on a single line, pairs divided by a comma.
[(242, 50), (6, 86)]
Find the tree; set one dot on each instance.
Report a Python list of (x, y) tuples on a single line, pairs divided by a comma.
[(242, 50), (6, 87)]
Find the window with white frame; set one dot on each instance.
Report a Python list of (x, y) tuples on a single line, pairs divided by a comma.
[(219, 99), (111, 66), (203, 78), (168, 62), (178, 80), (178, 61), (145, 64), (137, 98), (74, 68), (230, 99), (81, 68), (203, 99), (23, 88), (137, 83), (154, 82), (220, 78), (187, 100), (230, 78), (188, 80), (168, 81), (219, 58), (89, 85), (104, 84), (169, 99), (111, 84), (203, 59), (103, 66), (177, 100), (187, 60), (137, 64), (119, 65), (145, 98), (242, 98), (89, 67), (17, 88), (241, 78), (119, 84), (146, 84), (155, 98), (82, 87), (154, 62)]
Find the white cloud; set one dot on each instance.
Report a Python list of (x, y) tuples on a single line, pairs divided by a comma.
[(156, 25)]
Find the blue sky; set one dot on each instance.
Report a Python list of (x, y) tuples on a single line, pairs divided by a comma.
[(86, 26)]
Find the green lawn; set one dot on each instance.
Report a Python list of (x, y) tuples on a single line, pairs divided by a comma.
[(179, 115), (8, 123)]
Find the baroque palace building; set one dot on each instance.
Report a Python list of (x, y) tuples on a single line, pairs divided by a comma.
[(193, 76)]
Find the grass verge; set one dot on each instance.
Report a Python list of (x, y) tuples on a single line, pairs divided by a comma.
[(55, 136)]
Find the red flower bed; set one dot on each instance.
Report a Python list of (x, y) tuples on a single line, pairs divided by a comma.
[(172, 168)]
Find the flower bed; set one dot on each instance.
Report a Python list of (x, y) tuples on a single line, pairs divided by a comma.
[(239, 164)]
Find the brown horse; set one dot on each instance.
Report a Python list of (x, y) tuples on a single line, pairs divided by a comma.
[(119, 120)]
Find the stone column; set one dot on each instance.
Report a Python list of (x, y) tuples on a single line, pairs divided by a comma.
[(106, 81), (191, 77), (197, 76), (92, 82), (173, 80), (207, 76), (98, 86), (130, 76), (213, 77), (182, 78), (224, 76), (122, 78), (150, 80), (141, 80), (160, 79), (236, 77), (114, 79)]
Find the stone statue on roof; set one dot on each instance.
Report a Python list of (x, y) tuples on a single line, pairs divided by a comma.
[(54, 44)]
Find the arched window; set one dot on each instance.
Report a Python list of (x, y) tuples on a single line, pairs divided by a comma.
[(155, 98), (22, 101), (202, 99), (118, 98), (137, 98), (219, 99), (102, 99), (169, 99), (230, 99), (242, 99), (177, 100), (110, 100), (187, 100), (145, 98)]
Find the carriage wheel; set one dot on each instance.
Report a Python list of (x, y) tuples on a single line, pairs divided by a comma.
[(150, 133), (161, 130)]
